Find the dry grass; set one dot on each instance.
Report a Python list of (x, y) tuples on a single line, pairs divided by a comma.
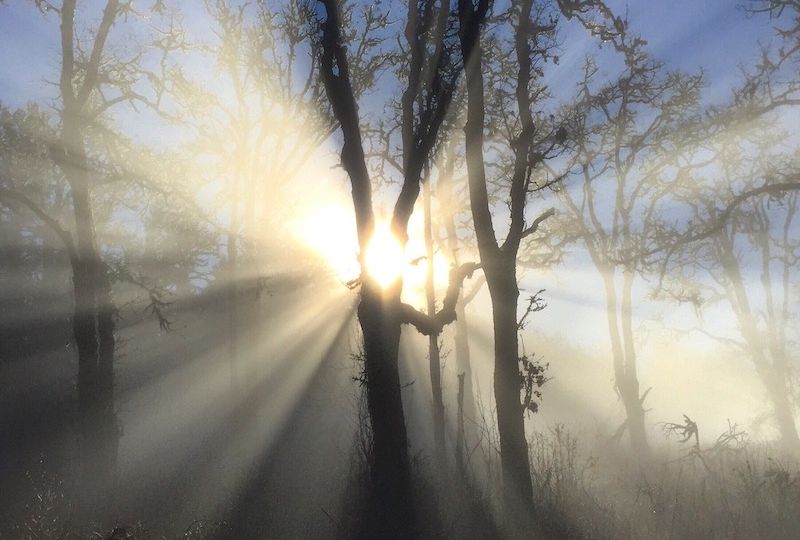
[(583, 488), (737, 490)]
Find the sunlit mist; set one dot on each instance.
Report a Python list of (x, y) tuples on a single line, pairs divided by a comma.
[(385, 257), (598, 329), (329, 229)]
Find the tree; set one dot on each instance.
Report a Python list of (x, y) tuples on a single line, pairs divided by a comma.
[(432, 77), (450, 202), (628, 136), (529, 145), (256, 142), (434, 357), (384, 148), (756, 237), (93, 80), (34, 261), (743, 216), (93, 319)]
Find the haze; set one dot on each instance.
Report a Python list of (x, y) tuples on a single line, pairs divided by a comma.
[(424, 269)]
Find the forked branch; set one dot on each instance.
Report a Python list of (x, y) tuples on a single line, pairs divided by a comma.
[(433, 325)]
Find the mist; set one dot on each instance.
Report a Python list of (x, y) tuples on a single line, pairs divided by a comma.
[(424, 269)]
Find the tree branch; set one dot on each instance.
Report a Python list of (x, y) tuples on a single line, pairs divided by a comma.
[(472, 19), (90, 81), (473, 292), (521, 145), (772, 189), (335, 73), (433, 325), (67, 51), (7, 195), (538, 221), (722, 218), (535, 304), (434, 95), (157, 306)]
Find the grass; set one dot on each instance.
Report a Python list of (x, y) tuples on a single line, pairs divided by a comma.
[(742, 490), (582, 489)]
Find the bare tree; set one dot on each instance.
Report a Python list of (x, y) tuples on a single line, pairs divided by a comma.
[(451, 200), (743, 219), (628, 135), (529, 145), (432, 76), (93, 80), (32, 250), (757, 237), (434, 356)]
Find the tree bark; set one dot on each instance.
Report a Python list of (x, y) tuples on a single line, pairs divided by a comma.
[(379, 317), (507, 384), (499, 266)]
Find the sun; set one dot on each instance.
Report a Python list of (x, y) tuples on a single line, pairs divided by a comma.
[(328, 227), (384, 257), (330, 230)]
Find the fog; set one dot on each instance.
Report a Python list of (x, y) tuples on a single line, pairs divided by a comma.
[(427, 269)]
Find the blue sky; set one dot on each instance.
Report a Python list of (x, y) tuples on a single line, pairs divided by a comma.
[(687, 34)]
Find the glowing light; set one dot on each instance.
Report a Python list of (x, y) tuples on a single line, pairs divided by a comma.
[(415, 275), (330, 230), (385, 256)]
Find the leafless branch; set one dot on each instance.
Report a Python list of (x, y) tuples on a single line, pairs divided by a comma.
[(7, 196), (432, 325)]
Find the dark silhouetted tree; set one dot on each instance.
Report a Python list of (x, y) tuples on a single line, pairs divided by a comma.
[(432, 77), (528, 144)]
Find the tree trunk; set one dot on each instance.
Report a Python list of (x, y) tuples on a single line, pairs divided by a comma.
[(466, 436), (634, 412), (464, 367), (438, 403), (460, 425), (108, 445), (622, 348), (499, 267), (631, 396), (391, 511), (507, 385), (93, 329), (775, 381), (232, 288), (433, 340), (773, 375)]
